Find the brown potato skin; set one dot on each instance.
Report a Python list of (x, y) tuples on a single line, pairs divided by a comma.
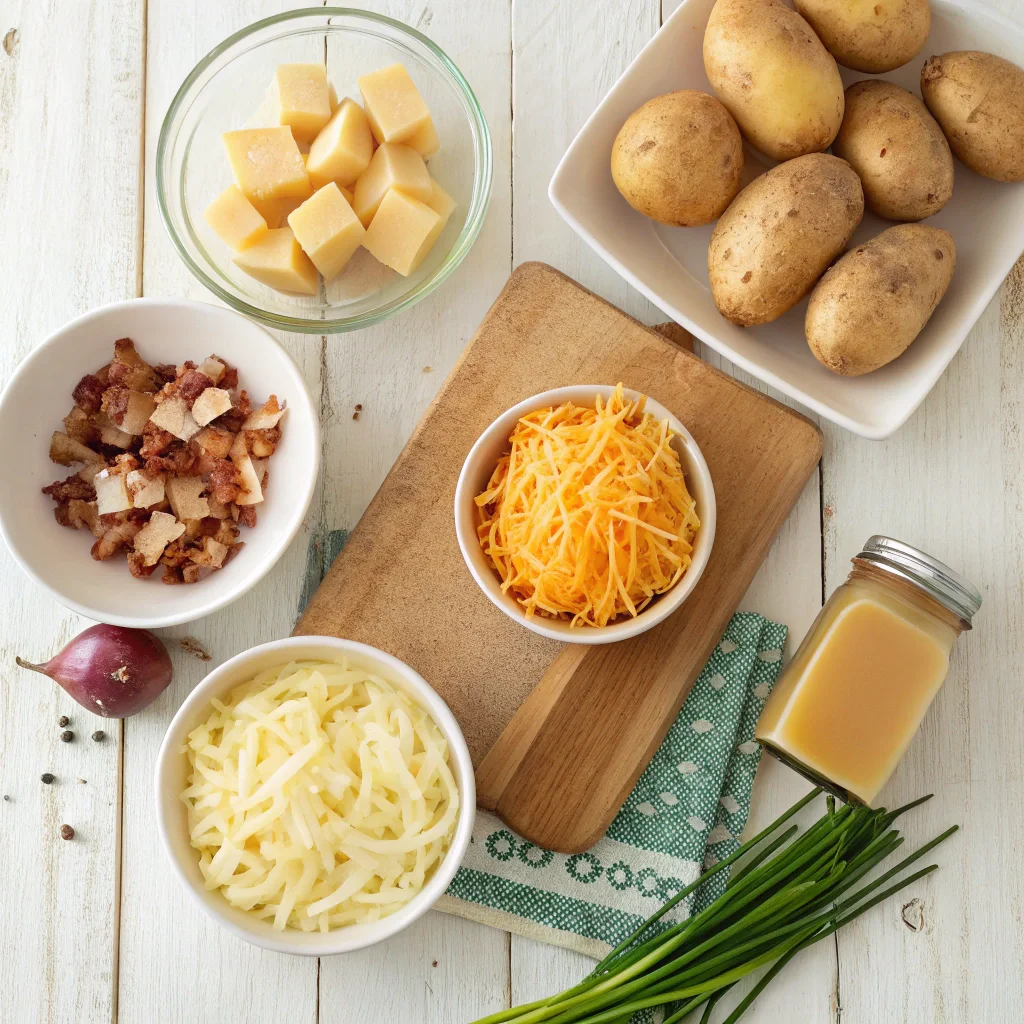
[(767, 66), (678, 158), (978, 100), (780, 234), (870, 35), (875, 301), (898, 149)]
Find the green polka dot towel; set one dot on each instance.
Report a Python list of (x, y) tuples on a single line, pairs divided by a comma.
[(688, 809)]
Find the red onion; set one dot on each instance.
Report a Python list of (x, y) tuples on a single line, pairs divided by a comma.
[(111, 670)]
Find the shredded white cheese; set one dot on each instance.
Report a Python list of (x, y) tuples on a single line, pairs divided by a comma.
[(320, 796)]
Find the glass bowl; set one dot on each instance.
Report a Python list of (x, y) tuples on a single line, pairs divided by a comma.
[(228, 89)]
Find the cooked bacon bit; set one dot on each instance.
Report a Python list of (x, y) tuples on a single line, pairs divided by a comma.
[(190, 573), (247, 515), (78, 426), (166, 371), (155, 441), (179, 461), (224, 486), (88, 393), (71, 487), (230, 379), (115, 402), (62, 515), (263, 443), (209, 527), (192, 384), (137, 566), (171, 576)]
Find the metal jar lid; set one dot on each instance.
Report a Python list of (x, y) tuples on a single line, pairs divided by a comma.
[(950, 589)]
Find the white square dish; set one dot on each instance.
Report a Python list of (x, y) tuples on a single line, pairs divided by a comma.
[(669, 265)]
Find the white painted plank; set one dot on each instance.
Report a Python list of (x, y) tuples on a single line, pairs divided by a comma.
[(384, 369), (950, 482), (70, 127), (160, 926)]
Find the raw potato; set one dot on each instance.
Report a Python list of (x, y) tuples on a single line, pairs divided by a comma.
[(898, 149), (678, 159), (978, 99), (870, 35), (770, 70), (874, 302), (779, 234)]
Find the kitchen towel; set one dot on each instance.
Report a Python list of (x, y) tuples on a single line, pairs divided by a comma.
[(687, 810)]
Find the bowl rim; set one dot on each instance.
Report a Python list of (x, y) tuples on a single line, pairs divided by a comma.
[(141, 621), (655, 613), (404, 676), (479, 202)]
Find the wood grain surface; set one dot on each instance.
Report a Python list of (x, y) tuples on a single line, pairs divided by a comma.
[(561, 756), (98, 929)]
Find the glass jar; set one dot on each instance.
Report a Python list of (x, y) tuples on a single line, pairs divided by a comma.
[(847, 706)]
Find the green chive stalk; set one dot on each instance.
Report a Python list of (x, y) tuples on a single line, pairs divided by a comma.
[(787, 892)]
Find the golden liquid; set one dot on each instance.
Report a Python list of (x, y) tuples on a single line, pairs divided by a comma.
[(850, 702)]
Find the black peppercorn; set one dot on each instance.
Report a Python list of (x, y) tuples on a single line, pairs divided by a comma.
[(63, 721), (46, 778), (67, 832), (67, 736), (99, 735)]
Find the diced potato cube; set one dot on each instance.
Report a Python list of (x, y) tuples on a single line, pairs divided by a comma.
[(425, 140), (303, 99), (350, 196), (342, 151), (392, 166), (213, 402), (154, 537), (186, 498), (66, 451), (252, 492), (393, 104), (212, 367), (234, 219), (444, 206), (145, 491), (266, 417), (275, 211), (173, 415), (328, 230), (401, 233), (279, 262), (267, 164), (111, 433), (111, 492), (140, 408)]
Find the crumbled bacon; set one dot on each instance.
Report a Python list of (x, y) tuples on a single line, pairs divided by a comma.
[(113, 397), (155, 441), (224, 486), (192, 384), (71, 487), (88, 393)]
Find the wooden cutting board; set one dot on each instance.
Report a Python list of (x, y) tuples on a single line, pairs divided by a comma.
[(559, 733)]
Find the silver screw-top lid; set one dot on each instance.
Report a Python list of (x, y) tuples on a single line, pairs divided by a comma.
[(950, 589)]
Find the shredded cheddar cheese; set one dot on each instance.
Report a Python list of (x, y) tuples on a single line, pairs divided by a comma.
[(588, 516)]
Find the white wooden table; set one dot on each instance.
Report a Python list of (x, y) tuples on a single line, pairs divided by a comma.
[(97, 929)]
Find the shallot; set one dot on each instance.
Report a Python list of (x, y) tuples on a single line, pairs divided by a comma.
[(111, 670)]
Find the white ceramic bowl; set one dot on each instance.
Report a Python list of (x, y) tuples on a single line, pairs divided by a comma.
[(172, 773), (37, 398), (477, 470), (669, 265)]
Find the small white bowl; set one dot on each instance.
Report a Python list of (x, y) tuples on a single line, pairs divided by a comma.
[(477, 470), (38, 397), (172, 773), (670, 265)]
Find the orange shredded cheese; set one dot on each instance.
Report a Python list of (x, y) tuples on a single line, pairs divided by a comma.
[(588, 516)]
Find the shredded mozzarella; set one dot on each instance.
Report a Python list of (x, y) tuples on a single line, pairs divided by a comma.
[(320, 796), (588, 516)]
